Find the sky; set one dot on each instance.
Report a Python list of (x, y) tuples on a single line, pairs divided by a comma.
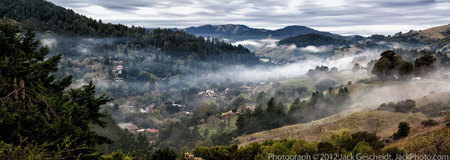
[(347, 17)]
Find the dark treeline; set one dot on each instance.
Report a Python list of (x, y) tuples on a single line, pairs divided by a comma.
[(314, 39), (44, 16), (275, 114)]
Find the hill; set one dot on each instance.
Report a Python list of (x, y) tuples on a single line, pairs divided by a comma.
[(47, 18), (374, 121), (313, 39), (435, 38), (44, 16), (432, 140), (242, 31)]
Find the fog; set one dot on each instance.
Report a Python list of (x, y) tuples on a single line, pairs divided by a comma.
[(315, 49), (401, 90), (256, 44), (291, 70)]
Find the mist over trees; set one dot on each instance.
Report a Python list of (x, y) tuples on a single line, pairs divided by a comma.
[(275, 114), (392, 66)]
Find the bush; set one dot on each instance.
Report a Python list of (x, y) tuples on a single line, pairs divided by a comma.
[(203, 152), (325, 147), (363, 147), (394, 151), (163, 154), (402, 106), (403, 130), (370, 138), (429, 122)]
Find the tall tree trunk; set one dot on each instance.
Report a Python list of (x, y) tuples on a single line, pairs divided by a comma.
[(22, 86), (16, 94)]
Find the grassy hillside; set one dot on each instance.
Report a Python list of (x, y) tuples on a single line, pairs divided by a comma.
[(432, 140), (382, 122)]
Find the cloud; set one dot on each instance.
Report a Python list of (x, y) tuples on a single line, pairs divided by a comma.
[(315, 49), (340, 16), (255, 44)]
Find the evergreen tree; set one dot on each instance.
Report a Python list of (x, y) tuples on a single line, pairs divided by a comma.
[(35, 104)]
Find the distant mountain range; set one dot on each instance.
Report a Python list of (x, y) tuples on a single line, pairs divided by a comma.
[(239, 31)]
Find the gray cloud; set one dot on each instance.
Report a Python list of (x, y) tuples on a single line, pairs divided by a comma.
[(339, 16)]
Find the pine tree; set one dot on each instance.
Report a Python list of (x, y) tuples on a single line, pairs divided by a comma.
[(37, 106)]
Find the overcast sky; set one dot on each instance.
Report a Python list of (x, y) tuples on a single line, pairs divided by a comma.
[(363, 17)]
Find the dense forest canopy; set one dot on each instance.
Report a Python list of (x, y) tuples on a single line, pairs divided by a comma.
[(44, 16)]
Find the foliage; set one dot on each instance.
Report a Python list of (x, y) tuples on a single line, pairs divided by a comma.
[(429, 122), (47, 17), (433, 109), (203, 152), (25, 150), (390, 65), (401, 106), (181, 44), (117, 155), (35, 104), (163, 154), (403, 130), (394, 152), (313, 39), (363, 147), (276, 115), (424, 64)]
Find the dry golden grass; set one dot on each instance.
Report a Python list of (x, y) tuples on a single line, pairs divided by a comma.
[(426, 140), (434, 33), (372, 121)]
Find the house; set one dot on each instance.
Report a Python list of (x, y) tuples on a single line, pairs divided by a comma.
[(119, 67), (146, 109)]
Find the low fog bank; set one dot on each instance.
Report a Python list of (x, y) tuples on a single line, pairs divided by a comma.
[(255, 44), (402, 90), (291, 70)]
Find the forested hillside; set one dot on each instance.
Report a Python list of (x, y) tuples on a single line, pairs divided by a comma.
[(236, 31), (44, 16)]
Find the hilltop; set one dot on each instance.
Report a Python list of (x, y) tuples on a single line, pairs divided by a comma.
[(239, 31)]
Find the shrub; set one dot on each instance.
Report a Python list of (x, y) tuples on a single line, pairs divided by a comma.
[(203, 152), (429, 122), (403, 130), (163, 154), (394, 151)]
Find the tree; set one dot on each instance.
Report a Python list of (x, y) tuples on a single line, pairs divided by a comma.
[(424, 64), (381, 68), (203, 152), (35, 104), (403, 130), (363, 148), (163, 154), (405, 69), (390, 64), (326, 147)]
